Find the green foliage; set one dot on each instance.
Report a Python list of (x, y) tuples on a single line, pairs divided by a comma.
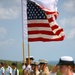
[(50, 66), (20, 71), (58, 73)]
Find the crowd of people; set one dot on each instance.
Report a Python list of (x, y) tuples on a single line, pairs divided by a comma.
[(35, 68), (6, 69), (65, 66)]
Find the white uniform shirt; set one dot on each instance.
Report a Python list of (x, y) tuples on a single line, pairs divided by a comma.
[(2, 70), (14, 71), (56, 73), (8, 70), (23, 67), (53, 73), (73, 73), (28, 68)]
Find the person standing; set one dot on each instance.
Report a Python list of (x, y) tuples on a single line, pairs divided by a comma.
[(28, 64), (8, 70), (2, 70), (44, 68), (32, 68), (36, 68), (54, 70), (23, 68), (74, 68), (15, 71), (65, 66)]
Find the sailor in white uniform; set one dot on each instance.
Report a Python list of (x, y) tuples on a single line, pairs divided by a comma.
[(2, 70), (65, 66)]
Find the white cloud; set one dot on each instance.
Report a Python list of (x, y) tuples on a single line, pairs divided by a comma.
[(3, 30), (3, 33), (68, 24), (68, 21), (9, 9), (69, 6), (7, 42), (8, 13), (10, 3), (71, 34), (63, 21)]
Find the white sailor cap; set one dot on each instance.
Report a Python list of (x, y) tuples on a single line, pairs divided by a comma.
[(31, 57), (66, 60), (36, 63), (41, 61)]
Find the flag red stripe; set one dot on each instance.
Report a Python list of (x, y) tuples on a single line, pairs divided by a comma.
[(41, 32), (58, 32), (45, 32), (45, 39), (54, 27), (38, 25), (50, 19)]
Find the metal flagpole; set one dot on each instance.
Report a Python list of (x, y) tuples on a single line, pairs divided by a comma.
[(23, 33)]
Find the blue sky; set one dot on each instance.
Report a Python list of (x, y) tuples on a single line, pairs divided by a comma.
[(11, 33)]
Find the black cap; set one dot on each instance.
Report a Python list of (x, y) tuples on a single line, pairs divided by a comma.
[(2, 63), (14, 64)]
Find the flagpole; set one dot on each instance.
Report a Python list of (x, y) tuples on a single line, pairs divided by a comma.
[(23, 34), (28, 54)]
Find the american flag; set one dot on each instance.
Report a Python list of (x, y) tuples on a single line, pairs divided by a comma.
[(42, 24)]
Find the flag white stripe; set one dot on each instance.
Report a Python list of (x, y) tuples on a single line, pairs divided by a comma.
[(45, 36), (37, 21), (43, 28), (39, 28), (55, 30), (49, 16)]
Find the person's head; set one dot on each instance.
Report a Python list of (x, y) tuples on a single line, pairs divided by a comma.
[(43, 64), (14, 65), (36, 65), (31, 59), (32, 65), (65, 63), (6, 64), (1, 64), (74, 68)]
